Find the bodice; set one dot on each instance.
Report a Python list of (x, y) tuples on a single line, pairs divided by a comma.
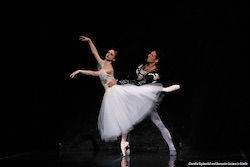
[(105, 78)]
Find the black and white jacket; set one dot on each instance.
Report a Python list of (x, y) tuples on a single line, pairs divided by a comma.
[(141, 77)]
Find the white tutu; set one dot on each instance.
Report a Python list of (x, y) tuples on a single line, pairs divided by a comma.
[(123, 106)]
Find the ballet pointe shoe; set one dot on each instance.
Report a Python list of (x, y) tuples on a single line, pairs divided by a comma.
[(171, 88), (124, 146)]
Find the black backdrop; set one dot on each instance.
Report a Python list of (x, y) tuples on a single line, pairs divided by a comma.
[(206, 46)]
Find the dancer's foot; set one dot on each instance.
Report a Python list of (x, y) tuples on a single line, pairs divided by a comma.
[(172, 152), (124, 146), (171, 88)]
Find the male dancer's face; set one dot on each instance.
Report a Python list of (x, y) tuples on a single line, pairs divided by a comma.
[(152, 57)]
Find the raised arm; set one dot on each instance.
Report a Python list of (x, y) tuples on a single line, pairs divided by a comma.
[(92, 47)]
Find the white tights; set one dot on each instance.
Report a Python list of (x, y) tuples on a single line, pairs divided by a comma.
[(155, 118)]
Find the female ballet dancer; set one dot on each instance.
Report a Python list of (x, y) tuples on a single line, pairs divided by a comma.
[(123, 106)]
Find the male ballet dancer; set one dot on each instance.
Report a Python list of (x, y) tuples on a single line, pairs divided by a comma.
[(147, 73)]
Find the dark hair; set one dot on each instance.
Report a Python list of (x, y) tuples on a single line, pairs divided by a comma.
[(160, 54)]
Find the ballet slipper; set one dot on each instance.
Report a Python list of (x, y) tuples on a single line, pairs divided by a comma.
[(123, 146), (171, 88)]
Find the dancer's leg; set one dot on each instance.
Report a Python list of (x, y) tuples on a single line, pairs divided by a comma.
[(155, 118), (171, 88)]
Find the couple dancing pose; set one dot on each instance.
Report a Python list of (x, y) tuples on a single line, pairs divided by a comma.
[(127, 102)]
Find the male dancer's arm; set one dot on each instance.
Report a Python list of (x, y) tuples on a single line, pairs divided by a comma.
[(130, 79)]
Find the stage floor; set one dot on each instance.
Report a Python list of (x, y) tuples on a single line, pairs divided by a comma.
[(79, 158)]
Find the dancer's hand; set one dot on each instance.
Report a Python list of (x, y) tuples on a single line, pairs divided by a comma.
[(112, 83), (72, 75), (84, 38)]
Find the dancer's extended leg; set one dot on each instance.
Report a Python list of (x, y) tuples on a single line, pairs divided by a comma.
[(171, 88)]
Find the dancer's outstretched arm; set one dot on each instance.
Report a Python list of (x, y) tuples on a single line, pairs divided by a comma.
[(92, 47), (86, 72), (171, 88)]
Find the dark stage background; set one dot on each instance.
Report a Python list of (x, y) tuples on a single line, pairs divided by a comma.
[(206, 47)]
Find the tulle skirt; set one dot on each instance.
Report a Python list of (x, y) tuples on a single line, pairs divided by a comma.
[(123, 106)]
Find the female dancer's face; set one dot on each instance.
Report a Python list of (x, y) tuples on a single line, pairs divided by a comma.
[(110, 55)]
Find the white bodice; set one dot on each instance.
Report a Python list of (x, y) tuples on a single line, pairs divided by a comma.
[(105, 78)]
